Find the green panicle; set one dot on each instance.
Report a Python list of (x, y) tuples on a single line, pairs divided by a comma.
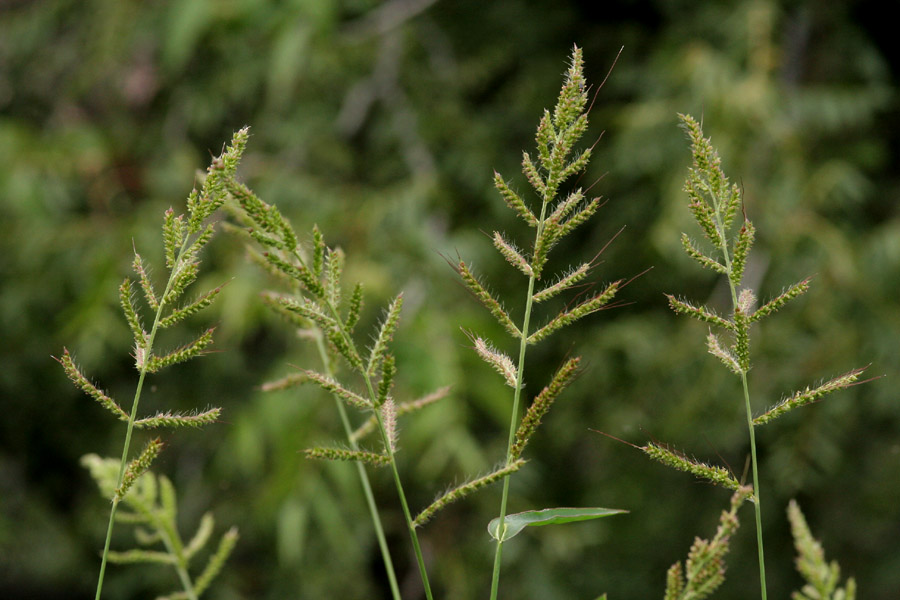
[(514, 201), (334, 266), (373, 458), (742, 246), (319, 249), (89, 388), (146, 284), (534, 177), (487, 300), (138, 466), (136, 555), (808, 396), (565, 282), (217, 560), (332, 386), (170, 419), (134, 321), (385, 334), (190, 309), (512, 255), (173, 236), (188, 351), (285, 383), (691, 249), (532, 419), (355, 307), (201, 537), (567, 317), (727, 358), (774, 304), (741, 347), (184, 275), (500, 362), (701, 313), (704, 570), (464, 490), (388, 370), (822, 578), (677, 460)]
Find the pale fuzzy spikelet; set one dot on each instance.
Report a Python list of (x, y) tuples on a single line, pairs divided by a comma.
[(389, 418), (501, 362)]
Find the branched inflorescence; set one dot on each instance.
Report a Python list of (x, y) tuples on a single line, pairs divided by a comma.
[(316, 303), (714, 203), (559, 213), (184, 236)]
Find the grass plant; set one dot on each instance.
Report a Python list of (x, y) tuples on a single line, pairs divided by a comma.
[(714, 203), (184, 237), (313, 298)]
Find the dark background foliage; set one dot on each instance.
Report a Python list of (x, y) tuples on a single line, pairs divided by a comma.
[(382, 123)]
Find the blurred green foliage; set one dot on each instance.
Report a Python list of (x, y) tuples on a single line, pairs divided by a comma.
[(381, 122)]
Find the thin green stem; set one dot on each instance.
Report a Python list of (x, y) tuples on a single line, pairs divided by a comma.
[(748, 409), (756, 504), (131, 417), (514, 418), (373, 397), (134, 406), (363, 478)]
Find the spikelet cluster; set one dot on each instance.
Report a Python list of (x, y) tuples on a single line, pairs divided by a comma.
[(704, 570), (152, 509), (714, 202)]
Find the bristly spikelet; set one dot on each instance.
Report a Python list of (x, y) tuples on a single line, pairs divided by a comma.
[(808, 396), (677, 460), (822, 578), (138, 467), (704, 570), (538, 409), (499, 361), (389, 418), (385, 334)]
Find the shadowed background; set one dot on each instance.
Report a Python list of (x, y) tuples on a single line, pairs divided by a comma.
[(382, 123)]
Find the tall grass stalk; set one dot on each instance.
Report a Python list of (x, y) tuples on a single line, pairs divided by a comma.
[(714, 203), (316, 306), (183, 238), (556, 161)]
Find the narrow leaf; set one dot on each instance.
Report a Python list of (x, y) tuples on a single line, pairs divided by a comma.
[(513, 524)]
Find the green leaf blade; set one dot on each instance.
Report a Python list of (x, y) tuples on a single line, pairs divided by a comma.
[(515, 523)]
